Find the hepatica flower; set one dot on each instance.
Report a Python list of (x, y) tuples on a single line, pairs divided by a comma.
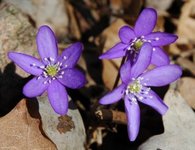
[(52, 72), (136, 84), (132, 39)]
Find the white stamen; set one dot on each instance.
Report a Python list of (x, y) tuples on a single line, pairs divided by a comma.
[(46, 59), (38, 77), (50, 58), (157, 38), (154, 49), (41, 67), (64, 57), (60, 76), (149, 41)]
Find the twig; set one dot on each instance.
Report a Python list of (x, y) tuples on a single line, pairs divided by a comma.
[(106, 115)]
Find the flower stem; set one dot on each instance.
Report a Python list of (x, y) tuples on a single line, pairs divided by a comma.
[(118, 75)]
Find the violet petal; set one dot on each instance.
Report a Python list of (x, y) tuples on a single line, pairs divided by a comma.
[(26, 62), (161, 38), (72, 78), (154, 101), (113, 96), (58, 97), (47, 44), (143, 60), (35, 87), (133, 117), (116, 51), (161, 76), (159, 57), (125, 71), (71, 55), (145, 22), (126, 33)]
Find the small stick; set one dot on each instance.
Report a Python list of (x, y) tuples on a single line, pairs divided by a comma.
[(106, 115)]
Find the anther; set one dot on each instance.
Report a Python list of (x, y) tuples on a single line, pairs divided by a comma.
[(64, 57)]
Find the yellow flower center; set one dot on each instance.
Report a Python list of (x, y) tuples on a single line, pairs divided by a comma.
[(52, 70), (134, 87), (138, 44)]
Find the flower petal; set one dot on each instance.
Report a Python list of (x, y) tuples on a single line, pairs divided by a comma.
[(154, 101), (133, 117), (58, 97), (113, 96), (35, 87), (143, 60), (145, 22), (126, 33), (161, 38), (46, 43), (159, 57), (26, 62), (125, 72), (71, 55), (161, 76), (72, 78), (116, 51)]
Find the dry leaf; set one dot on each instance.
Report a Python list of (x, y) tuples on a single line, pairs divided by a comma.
[(21, 132), (160, 5), (186, 87), (50, 12), (186, 23), (187, 64), (110, 67), (66, 137), (16, 34), (74, 27), (179, 124)]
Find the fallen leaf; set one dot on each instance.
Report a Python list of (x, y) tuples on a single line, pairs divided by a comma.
[(186, 87), (179, 124), (50, 12), (186, 23), (67, 136), (16, 34), (187, 64), (160, 5), (21, 132), (110, 67)]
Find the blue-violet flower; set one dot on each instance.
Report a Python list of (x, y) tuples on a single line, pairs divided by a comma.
[(52, 72), (133, 39), (135, 86)]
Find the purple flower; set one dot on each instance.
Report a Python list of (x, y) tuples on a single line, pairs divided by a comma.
[(136, 84), (133, 39), (52, 72)]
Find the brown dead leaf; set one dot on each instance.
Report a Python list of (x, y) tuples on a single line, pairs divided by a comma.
[(21, 132), (110, 67), (186, 64), (74, 28), (186, 87), (186, 23)]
